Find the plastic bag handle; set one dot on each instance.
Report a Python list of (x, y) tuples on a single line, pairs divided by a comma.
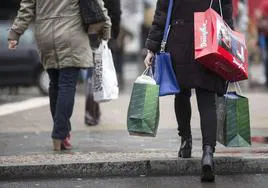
[(237, 87), (211, 3), (148, 71)]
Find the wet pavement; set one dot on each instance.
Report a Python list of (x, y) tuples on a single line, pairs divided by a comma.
[(28, 143)]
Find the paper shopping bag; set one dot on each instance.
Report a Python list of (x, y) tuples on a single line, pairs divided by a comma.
[(143, 110), (219, 48), (233, 120)]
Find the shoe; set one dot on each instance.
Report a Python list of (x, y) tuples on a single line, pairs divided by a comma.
[(57, 144), (186, 148), (208, 174), (91, 122), (66, 144)]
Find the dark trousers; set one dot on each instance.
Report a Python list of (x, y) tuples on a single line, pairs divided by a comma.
[(207, 109), (62, 88), (266, 61), (92, 114), (118, 57)]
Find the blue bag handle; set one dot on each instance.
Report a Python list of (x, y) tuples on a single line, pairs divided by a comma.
[(167, 26)]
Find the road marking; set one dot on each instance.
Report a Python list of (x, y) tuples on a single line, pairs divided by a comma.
[(11, 108)]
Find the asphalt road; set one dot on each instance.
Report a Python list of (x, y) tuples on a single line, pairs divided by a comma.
[(235, 181)]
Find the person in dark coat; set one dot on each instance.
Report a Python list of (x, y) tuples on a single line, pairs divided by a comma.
[(114, 11), (190, 74)]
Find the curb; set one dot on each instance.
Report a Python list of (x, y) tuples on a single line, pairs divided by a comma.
[(223, 166)]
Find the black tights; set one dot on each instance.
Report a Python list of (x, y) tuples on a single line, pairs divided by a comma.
[(207, 109)]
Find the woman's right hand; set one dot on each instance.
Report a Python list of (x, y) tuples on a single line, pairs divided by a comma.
[(12, 44), (148, 61)]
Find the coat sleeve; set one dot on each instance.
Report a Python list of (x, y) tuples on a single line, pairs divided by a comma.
[(227, 9), (24, 17), (156, 32)]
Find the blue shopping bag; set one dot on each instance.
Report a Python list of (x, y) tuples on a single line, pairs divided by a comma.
[(163, 70), (164, 75)]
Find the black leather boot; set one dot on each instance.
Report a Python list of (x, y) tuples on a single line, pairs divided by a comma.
[(208, 174), (186, 147)]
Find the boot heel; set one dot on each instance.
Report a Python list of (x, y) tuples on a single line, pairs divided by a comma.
[(208, 174), (185, 153), (186, 148)]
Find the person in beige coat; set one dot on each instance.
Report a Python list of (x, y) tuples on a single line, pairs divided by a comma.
[(64, 49)]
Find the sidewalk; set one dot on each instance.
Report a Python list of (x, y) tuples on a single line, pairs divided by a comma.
[(108, 150)]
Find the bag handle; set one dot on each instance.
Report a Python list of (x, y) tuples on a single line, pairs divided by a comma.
[(237, 87), (167, 26), (211, 3), (148, 71)]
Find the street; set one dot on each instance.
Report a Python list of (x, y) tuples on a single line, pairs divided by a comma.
[(55, 133), (232, 181), (26, 148)]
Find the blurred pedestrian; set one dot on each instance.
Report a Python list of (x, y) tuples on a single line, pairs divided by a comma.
[(114, 12), (241, 19), (93, 113), (148, 10), (190, 74), (64, 46), (241, 23), (262, 23)]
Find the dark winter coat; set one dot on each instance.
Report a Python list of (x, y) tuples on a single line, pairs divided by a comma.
[(114, 12), (190, 74)]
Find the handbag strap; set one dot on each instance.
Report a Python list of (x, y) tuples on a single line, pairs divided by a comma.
[(167, 26)]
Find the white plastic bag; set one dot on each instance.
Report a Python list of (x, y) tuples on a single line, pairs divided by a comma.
[(146, 79), (104, 76)]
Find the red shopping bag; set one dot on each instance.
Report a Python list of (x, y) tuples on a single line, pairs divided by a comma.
[(219, 48)]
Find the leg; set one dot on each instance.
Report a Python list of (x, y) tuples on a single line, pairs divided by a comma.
[(92, 110), (53, 89), (183, 115), (183, 112), (64, 108), (265, 59), (266, 63), (206, 101)]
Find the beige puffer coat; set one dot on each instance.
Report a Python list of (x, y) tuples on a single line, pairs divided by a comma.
[(59, 32)]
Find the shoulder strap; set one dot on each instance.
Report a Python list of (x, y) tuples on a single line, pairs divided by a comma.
[(167, 26)]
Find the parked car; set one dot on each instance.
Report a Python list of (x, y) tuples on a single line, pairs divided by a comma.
[(21, 67)]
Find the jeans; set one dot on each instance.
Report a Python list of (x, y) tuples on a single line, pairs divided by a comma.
[(62, 88), (206, 101)]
